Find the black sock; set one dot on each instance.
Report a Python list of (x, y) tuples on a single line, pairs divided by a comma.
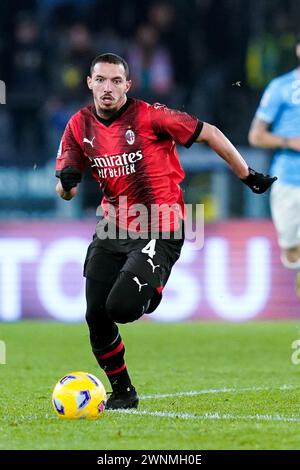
[(111, 360)]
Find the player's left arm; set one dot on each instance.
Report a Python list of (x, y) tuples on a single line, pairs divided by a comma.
[(186, 129), (211, 135)]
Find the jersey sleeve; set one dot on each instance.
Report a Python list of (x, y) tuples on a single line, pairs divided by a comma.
[(270, 102), (182, 127), (69, 152)]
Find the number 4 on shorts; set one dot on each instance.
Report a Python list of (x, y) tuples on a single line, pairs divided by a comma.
[(149, 249)]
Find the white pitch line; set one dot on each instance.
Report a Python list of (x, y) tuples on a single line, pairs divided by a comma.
[(171, 414), (207, 416), (215, 390)]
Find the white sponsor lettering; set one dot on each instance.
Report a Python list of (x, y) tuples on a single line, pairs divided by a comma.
[(50, 274), (106, 161), (116, 172), (33, 280), (13, 253), (114, 166), (257, 267)]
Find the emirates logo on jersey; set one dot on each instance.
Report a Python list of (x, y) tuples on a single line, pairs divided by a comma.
[(116, 165), (130, 137)]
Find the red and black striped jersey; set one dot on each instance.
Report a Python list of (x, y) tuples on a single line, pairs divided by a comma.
[(133, 157)]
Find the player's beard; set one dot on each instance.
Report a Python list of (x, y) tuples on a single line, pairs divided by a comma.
[(108, 112)]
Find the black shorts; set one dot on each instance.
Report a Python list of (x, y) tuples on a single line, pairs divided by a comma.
[(150, 260)]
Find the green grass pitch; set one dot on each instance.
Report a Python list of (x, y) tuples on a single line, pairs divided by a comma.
[(245, 391)]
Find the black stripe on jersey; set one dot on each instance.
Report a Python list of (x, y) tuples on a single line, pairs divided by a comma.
[(195, 134), (139, 182), (143, 190)]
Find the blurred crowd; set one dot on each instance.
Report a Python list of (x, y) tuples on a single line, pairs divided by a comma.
[(211, 58)]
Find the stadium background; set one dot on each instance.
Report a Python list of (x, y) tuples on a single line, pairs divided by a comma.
[(211, 58)]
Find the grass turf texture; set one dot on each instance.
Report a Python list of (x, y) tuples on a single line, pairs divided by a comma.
[(162, 359)]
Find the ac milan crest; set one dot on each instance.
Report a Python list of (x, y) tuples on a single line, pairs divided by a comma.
[(130, 136)]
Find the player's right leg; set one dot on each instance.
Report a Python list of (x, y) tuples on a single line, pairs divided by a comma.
[(285, 207), (101, 270)]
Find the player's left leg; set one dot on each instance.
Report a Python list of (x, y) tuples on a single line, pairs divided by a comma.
[(129, 298), (138, 288)]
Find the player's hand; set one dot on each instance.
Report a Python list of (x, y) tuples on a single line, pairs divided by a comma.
[(258, 182), (66, 195), (69, 178)]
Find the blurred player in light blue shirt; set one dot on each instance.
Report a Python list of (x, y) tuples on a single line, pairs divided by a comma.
[(276, 125)]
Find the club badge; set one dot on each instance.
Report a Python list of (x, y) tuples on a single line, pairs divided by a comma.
[(130, 137)]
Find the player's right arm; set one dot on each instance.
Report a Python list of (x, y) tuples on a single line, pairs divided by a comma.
[(66, 195), (70, 163)]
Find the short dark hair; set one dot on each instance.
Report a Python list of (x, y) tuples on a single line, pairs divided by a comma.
[(110, 58)]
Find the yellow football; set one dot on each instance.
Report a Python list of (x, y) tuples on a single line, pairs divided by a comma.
[(79, 395)]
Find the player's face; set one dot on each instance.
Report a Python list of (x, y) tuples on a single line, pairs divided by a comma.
[(109, 86)]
